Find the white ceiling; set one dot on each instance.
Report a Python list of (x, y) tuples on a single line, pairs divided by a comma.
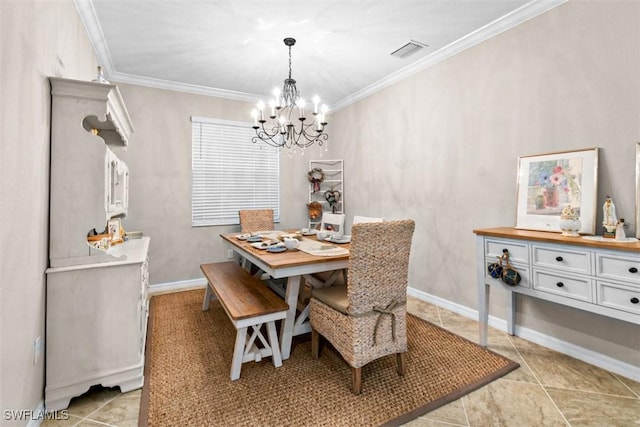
[(235, 49)]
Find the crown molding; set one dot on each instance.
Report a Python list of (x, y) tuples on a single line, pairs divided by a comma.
[(504, 23), (513, 19), (181, 87), (96, 36)]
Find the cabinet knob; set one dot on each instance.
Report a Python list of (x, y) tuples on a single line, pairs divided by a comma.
[(635, 300), (633, 270), (559, 258), (559, 284)]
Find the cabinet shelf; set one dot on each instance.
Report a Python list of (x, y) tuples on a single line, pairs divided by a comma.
[(334, 181)]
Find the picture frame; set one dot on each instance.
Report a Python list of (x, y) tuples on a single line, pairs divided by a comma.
[(637, 190), (113, 228), (549, 182)]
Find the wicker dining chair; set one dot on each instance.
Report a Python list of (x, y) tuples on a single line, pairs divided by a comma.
[(251, 221), (256, 220), (366, 319)]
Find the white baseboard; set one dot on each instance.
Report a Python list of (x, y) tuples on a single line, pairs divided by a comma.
[(597, 359), (161, 288)]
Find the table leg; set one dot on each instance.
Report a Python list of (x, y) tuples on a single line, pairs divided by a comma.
[(286, 330), (483, 308), (511, 313)]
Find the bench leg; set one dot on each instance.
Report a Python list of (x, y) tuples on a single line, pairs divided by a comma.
[(273, 342), (238, 353), (207, 297)]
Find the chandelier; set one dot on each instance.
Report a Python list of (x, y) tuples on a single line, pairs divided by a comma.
[(287, 124)]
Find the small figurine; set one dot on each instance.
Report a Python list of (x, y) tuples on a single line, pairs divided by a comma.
[(620, 234), (610, 222), (100, 77)]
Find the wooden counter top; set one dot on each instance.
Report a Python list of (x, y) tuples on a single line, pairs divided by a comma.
[(550, 237)]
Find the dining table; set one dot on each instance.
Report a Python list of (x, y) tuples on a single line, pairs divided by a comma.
[(312, 256)]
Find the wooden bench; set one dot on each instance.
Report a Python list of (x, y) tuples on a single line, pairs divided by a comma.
[(248, 303)]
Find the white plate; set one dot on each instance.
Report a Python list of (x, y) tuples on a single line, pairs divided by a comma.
[(243, 236), (309, 233), (254, 239), (345, 239), (276, 248), (267, 245)]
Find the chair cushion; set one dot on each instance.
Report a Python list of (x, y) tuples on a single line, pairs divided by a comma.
[(334, 296)]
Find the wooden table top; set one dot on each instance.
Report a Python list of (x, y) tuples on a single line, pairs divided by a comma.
[(287, 258), (551, 237)]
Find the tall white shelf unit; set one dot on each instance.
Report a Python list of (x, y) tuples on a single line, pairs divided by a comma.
[(333, 181), (97, 303)]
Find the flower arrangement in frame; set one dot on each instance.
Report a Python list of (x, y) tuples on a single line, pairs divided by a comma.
[(547, 183)]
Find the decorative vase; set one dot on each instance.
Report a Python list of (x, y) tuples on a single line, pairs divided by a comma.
[(569, 222), (551, 197)]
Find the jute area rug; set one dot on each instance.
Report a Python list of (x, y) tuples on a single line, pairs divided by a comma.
[(188, 360)]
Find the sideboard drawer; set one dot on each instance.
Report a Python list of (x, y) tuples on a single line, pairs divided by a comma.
[(572, 287), (576, 261), (614, 266), (619, 297), (518, 252)]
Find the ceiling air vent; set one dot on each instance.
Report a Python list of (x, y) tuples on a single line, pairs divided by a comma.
[(408, 49)]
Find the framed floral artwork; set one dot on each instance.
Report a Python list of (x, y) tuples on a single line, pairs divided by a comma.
[(549, 182)]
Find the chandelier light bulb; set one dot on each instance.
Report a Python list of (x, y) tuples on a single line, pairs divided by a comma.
[(272, 104), (316, 102), (323, 117), (260, 109), (276, 97), (254, 114), (301, 103)]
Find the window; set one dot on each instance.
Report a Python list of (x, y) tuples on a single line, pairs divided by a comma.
[(230, 173)]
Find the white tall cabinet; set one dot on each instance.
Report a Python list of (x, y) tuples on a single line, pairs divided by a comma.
[(96, 310)]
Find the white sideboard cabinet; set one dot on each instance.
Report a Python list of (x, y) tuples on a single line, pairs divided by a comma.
[(601, 277), (97, 303)]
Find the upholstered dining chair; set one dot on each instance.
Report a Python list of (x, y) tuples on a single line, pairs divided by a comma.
[(328, 278), (333, 223), (357, 219), (365, 319), (253, 220)]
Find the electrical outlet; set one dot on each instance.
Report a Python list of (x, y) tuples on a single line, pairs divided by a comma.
[(229, 253), (38, 348)]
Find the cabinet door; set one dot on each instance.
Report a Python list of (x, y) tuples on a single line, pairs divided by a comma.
[(116, 185)]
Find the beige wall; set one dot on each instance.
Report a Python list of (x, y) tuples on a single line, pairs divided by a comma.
[(37, 39), (159, 160), (442, 148)]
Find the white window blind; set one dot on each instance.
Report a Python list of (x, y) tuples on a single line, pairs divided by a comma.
[(230, 173)]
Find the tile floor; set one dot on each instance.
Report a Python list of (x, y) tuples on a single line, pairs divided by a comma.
[(549, 389)]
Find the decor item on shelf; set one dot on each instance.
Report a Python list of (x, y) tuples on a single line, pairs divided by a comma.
[(315, 210), (569, 222), (288, 126), (316, 176), (504, 270), (509, 275), (332, 197), (609, 219), (620, 234), (547, 182), (100, 77)]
